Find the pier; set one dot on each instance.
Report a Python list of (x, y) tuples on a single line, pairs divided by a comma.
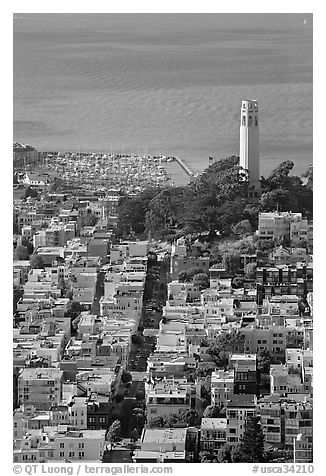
[(185, 167)]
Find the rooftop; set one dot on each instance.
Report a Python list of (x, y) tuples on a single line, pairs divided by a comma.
[(213, 423), (164, 435)]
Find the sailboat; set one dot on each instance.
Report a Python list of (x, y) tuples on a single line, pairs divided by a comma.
[(305, 21)]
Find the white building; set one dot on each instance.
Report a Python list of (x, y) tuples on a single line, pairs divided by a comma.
[(249, 143)]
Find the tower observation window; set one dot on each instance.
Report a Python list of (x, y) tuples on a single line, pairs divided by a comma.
[(250, 121), (243, 120), (256, 121)]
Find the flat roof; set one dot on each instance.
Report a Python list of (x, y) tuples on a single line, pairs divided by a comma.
[(164, 435), (213, 423)]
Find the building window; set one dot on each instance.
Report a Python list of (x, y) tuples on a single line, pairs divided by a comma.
[(62, 454), (243, 120), (62, 445)]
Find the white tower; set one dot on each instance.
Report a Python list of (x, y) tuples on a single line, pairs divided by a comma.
[(249, 142)]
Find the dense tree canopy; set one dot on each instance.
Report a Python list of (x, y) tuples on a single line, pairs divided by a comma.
[(225, 344), (286, 192), (251, 447), (114, 432), (215, 201), (126, 376), (21, 253), (36, 262), (90, 220), (214, 411)]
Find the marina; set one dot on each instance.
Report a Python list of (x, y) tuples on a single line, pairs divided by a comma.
[(130, 173)]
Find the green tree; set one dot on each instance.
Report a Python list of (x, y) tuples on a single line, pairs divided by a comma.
[(224, 454), (21, 253), (132, 211), (204, 368), (90, 220), (156, 422), (251, 447), (201, 280), (214, 411), (265, 245), (36, 262), (17, 295), (183, 277), (264, 360), (286, 192), (190, 417), (231, 262), (31, 192), (73, 309), (137, 339), (114, 432), (126, 376), (242, 228), (119, 397), (237, 282), (250, 270), (134, 436), (225, 344)]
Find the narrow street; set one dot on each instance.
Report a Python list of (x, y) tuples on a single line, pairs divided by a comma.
[(99, 292)]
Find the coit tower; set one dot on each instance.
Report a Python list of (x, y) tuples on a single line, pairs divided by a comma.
[(249, 142)]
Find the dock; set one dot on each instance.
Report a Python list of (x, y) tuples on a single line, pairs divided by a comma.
[(185, 167)]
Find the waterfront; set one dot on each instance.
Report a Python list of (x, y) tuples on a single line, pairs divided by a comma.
[(160, 85)]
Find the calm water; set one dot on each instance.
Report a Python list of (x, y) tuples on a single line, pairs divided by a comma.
[(164, 83)]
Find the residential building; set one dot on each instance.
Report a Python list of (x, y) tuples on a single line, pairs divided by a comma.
[(212, 434), (240, 408), (41, 387)]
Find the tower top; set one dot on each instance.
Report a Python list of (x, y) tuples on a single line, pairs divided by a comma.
[(250, 104)]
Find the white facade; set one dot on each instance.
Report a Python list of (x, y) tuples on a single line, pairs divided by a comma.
[(249, 141)]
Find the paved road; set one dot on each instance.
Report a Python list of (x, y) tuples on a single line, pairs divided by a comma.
[(99, 292)]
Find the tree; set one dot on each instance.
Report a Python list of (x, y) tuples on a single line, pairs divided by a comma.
[(132, 211), (156, 422), (265, 245), (21, 253), (90, 220), (137, 339), (73, 309), (183, 277), (114, 432), (251, 447), (119, 397), (237, 282), (134, 435), (214, 411), (286, 192), (63, 287), (207, 457), (224, 454), (17, 295), (190, 417), (36, 262), (31, 192), (309, 177), (140, 395), (204, 368), (126, 377), (225, 344), (250, 270), (264, 360), (242, 228), (231, 261), (152, 258), (201, 280)]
